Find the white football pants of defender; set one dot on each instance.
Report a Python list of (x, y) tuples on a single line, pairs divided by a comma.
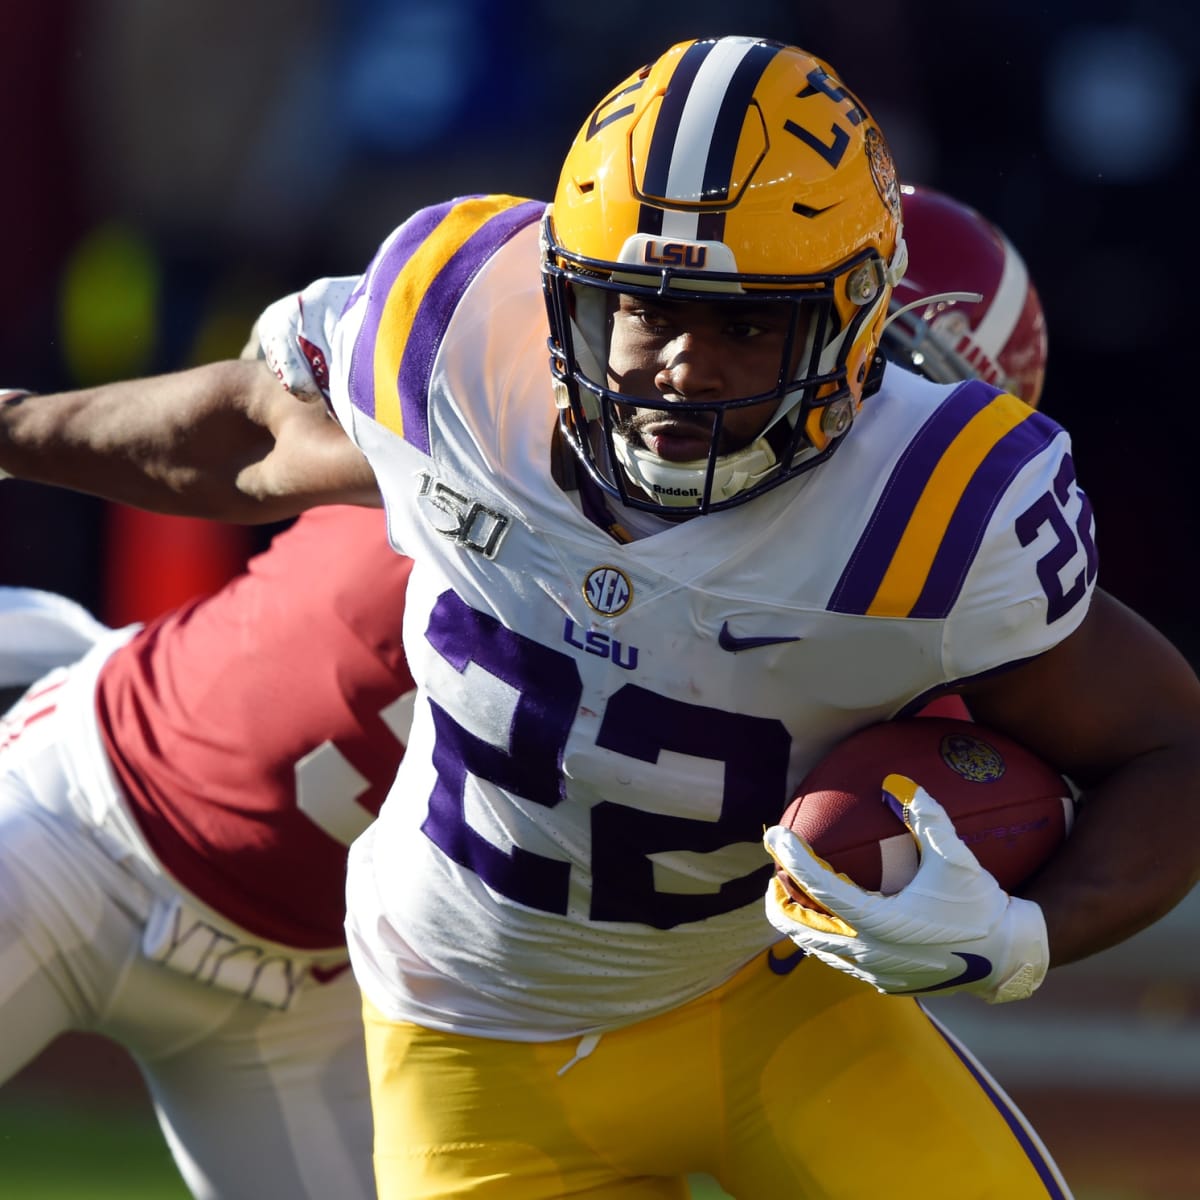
[(255, 1100)]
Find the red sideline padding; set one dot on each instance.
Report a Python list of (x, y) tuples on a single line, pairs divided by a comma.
[(154, 563)]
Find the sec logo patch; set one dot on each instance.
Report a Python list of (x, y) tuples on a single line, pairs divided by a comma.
[(607, 591)]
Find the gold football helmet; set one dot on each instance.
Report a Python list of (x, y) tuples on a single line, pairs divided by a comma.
[(731, 169)]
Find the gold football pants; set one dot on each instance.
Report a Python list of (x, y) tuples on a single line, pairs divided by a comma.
[(790, 1080)]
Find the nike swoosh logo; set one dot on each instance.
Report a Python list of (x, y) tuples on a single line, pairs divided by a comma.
[(733, 643), (785, 966), (328, 974), (976, 967)]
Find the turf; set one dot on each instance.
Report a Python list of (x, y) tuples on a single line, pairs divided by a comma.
[(48, 1152), (53, 1153)]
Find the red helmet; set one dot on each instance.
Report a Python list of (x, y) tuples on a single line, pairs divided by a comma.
[(1000, 338)]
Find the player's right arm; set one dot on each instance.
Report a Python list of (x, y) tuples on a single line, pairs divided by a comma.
[(223, 441)]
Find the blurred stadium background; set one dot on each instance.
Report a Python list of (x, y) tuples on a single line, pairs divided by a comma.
[(172, 167)]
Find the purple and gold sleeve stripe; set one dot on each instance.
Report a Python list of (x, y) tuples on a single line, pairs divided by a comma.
[(928, 523), (412, 290)]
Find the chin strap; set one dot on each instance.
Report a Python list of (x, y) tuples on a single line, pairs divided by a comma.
[(681, 485)]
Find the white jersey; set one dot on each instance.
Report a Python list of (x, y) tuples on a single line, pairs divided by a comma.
[(604, 730)]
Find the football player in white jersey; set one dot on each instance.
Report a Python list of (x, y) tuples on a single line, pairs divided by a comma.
[(950, 244), (635, 626)]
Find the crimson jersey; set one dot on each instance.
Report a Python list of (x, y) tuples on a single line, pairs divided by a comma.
[(255, 733)]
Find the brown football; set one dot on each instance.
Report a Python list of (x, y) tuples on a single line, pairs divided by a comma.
[(1010, 807)]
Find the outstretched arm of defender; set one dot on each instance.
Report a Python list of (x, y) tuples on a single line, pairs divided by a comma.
[(224, 441)]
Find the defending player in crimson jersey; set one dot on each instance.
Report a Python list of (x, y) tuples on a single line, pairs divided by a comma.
[(175, 810)]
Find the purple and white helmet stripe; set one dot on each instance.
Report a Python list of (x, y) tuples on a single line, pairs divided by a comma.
[(696, 136)]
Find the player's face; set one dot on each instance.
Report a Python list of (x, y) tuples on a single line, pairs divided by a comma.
[(695, 351)]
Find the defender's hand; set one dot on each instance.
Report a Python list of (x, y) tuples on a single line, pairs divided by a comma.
[(7, 393), (952, 928)]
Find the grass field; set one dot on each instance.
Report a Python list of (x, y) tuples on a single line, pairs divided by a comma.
[(52, 1153)]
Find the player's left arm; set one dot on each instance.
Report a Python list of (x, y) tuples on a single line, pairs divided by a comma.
[(1113, 705), (1116, 707), (1106, 699)]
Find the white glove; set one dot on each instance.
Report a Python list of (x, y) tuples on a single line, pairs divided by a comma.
[(951, 928)]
